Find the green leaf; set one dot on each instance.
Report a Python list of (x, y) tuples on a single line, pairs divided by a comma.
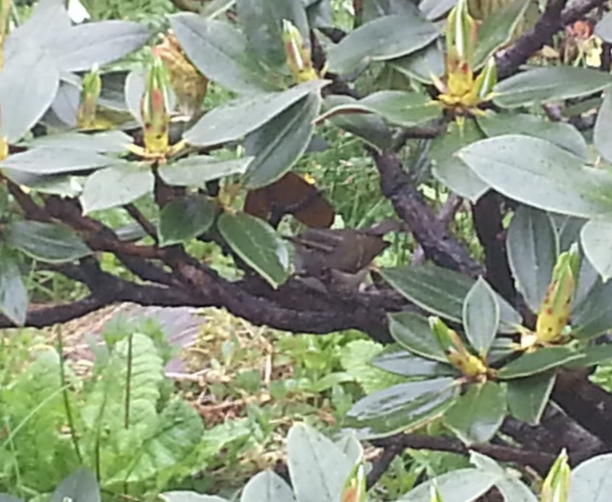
[(551, 83), (594, 355), (52, 160), (318, 467), (114, 141), (603, 126), (596, 238), (460, 485), (481, 316), (184, 219), (405, 406), (603, 28), (527, 397), (80, 486), (48, 18), (561, 134), (29, 81), (48, 242), (442, 292), (434, 9), (13, 293), (135, 85), (405, 109), (62, 185), (422, 64), (196, 171), (8, 498), (116, 186), (539, 361), (236, 119), (532, 253), (477, 415), (593, 316), (189, 496), (280, 143), (497, 30), (513, 489), (591, 480), (412, 331), (382, 39), (267, 487), (401, 362), (540, 174), (258, 244), (219, 51)]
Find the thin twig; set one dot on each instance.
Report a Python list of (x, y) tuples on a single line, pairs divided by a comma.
[(144, 223)]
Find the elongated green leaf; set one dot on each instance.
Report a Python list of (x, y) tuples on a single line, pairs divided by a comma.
[(540, 174), (184, 219), (48, 19), (532, 253), (511, 488), (591, 480), (481, 316), (385, 38), (596, 238), (189, 496), (533, 363), (135, 83), (102, 142), (527, 397), (13, 293), (593, 355), (48, 242), (8, 498), (593, 316), (65, 104), (435, 9), (317, 466), (442, 292), (267, 486), (80, 486), (549, 83), (402, 362), (220, 52), (603, 29), (258, 244), (422, 64), (460, 485), (116, 186), (280, 143), (477, 415), (53, 160), (237, 118), (603, 127), (196, 171), (412, 331), (404, 406)]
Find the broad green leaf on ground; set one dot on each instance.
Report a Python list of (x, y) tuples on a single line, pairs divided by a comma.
[(405, 406), (48, 242), (13, 293), (527, 397), (258, 244), (405, 109), (422, 64), (540, 174), (29, 81), (603, 127), (550, 83), (512, 488), (396, 359), (450, 169), (236, 119), (318, 467), (80, 486), (221, 52), (102, 142), (412, 331), (116, 186), (562, 134), (184, 219), (368, 127), (476, 415), (591, 480), (279, 144), (593, 316), (539, 361), (267, 486), (56, 160), (603, 28), (497, 30), (189, 496), (442, 292), (196, 171), (596, 238), (481, 316), (532, 253), (460, 485), (382, 39)]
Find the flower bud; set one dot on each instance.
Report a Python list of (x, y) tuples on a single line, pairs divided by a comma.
[(297, 54), (92, 86), (557, 484), (461, 33), (154, 109), (355, 486), (456, 352)]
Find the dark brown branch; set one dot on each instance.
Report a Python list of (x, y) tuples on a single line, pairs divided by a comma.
[(144, 223)]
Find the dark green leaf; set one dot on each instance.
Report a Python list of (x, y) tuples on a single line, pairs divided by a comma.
[(596, 238), (513, 489), (280, 143), (481, 316), (603, 29), (65, 186), (237, 118), (380, 8), (412, 331), (402, 407), (215, 8), (48, 242), (48, 19), (591, 480), (442, 292), (532, 253), (8, 498), (401, 362), (477, 415), (539, 173), (527, 397), (460, 485), (116, 186), (102, 142), (135, 84), (593, 356), (55, 160), (81, 486), (220, 52), (267, 487), (422, 64), (539, 361), (603, 126), (593, 316), (258, 244), (184, 219), (13, 293), (382, 39), (550, 83), (196, 171), (435, 9), (65, 104)]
